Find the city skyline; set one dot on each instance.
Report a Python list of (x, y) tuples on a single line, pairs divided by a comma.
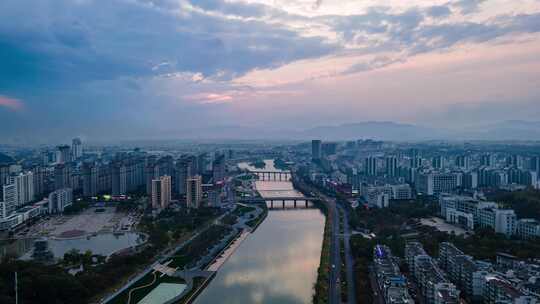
[(163, 68)]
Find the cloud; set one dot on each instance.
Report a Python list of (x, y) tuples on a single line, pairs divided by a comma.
[(65, 43), (11, 103), (62, 42), (375, 63), (438, 11), (406, 34), (468, 6), (209, 98), (87, 61), (232, 8)]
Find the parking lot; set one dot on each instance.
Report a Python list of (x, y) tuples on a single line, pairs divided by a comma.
[(90, 221), (442, 226)]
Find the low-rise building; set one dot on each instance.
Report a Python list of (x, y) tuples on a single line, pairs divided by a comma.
[(432, 281), (391, 282), (499, 291), (434, 183), (528, 228)]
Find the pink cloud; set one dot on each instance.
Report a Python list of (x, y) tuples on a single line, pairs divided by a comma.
[(11, 103), (210, 98)]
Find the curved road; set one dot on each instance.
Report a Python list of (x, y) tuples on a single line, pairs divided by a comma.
[(141, 287)]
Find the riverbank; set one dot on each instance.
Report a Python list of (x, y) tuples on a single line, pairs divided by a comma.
[(226, 253), (187, 256), (256, 222), (321, 287)]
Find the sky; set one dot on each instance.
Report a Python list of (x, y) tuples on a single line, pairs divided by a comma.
[(164, 68)]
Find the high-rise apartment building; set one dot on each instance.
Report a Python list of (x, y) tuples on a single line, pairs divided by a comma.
[(214, 195), (62, 173), (63, 154), (194, 192), (218, 168), (316, 149), (60, 199), (438, 162), (161, 192), (39, 182), (370, 166), (24, 185), (329, 148), (184, 170), (76, 148), (534, 164), (487, 160), (391, 166), (463, 162), (415, 159), (4, 174), (514, 161), (201, 163), (10, 200)]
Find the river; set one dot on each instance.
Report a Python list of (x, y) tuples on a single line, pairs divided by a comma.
[(278, 262)]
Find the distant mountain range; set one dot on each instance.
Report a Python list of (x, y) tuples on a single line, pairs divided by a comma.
[(376, 130), (381, 130), (508, 130)]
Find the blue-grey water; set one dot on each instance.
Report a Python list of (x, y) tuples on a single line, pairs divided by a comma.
[(103, 244)]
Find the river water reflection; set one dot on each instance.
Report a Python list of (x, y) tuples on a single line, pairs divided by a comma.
[(276, 264)]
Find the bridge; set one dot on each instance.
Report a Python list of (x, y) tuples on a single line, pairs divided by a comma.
[(282, 199), (272, 175)]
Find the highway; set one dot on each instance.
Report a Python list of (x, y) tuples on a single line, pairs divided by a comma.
[(335, 258), (349, 261)]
